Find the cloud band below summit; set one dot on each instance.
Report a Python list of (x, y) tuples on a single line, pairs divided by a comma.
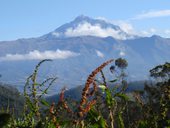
[(87, 29), (37, 55)]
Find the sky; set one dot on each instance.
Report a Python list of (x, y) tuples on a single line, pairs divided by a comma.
[(33, 18)]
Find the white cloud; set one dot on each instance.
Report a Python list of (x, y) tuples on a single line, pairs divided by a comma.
[(148, 32), (37, 55), (124, 25), (122, 53), (56, 34), (153, 30), (144, 33), (167, 31), (152, 14), (127, 27), (99, 54), (85, 29)]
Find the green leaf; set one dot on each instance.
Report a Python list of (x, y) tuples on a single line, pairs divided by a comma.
[(120, 121), (112, 81), (109, 98), (123, 96), (96, 119), (45, 103), (102, 122), (143, 124), (29, 103)]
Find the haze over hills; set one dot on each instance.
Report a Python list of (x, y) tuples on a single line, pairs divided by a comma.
[(76, 49)]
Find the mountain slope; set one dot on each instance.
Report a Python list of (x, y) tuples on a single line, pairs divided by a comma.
[(76, 56)]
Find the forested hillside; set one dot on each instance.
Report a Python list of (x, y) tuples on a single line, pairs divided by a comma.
[(10, 99)]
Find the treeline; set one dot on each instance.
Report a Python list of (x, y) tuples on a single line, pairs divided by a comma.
[(10, 99)]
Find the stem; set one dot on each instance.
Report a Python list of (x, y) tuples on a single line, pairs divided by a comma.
[(111, 118)]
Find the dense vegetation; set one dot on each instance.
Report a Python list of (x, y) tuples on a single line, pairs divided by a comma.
[(103, 103), (10, 99), (75, 93)]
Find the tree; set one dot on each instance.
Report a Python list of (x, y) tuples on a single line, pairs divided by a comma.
[(161, 72), (121, 63), (156, 102)]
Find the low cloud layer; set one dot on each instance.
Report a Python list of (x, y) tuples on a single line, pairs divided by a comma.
[(148, 32), (167, 32), (99, 54), (37, 55), (124, 25), (127, 30), (85, 29), (127, 26), (122, 53)]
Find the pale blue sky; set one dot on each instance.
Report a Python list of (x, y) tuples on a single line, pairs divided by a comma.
[(32, 18)]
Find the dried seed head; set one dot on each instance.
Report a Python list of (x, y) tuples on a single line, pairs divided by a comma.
[(52, 108), (62, 95), (80, 114), (90, 81)]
